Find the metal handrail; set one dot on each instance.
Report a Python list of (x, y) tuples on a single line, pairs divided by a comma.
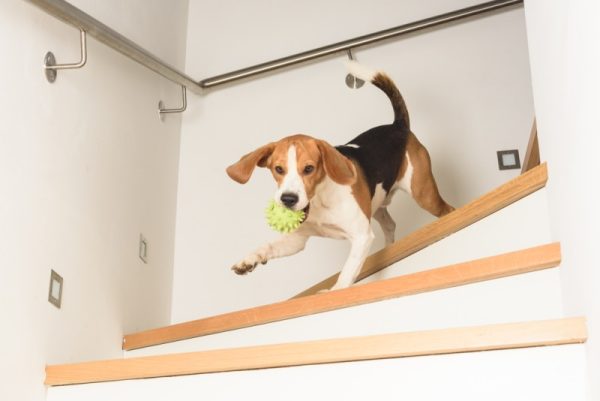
[(74, 16), (357, 42), (79, 19)]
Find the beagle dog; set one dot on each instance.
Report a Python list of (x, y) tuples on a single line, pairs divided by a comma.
[(341, 188)]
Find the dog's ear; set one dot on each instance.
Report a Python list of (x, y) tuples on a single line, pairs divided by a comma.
[(242, 170), (337, 166)]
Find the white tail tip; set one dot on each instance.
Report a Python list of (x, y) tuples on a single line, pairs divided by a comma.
[(360, 71)]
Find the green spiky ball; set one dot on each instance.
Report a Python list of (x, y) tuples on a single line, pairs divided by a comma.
[(282, 219)]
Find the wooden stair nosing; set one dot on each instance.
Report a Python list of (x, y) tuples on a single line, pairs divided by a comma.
[(504, 265), (460, 218), (431, 342), (532, 154)]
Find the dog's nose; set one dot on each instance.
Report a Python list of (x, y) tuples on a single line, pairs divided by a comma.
[(289, 199)]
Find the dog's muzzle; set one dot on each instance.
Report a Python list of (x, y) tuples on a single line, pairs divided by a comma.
[(289, 199)]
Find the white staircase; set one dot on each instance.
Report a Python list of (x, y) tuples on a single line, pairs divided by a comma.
[(419, 301), (487, 324)]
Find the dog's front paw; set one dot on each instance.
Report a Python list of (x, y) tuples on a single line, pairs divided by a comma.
[(247, 265), (243, 268)]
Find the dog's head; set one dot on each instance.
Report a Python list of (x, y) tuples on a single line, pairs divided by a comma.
[(298, 164)]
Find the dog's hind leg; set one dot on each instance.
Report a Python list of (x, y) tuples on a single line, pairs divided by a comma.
[(419, 181), (285, 245), (388, 225), (424, 189)]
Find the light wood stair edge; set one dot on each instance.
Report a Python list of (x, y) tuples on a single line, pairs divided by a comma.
[(462, 217), (532, 154), (398, 345), (523, 261)]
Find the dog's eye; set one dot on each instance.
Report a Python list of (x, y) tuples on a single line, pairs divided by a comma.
[(279, 170), (309, 169)]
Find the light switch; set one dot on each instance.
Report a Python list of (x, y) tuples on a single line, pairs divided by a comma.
[(55, 291), (508, 159)]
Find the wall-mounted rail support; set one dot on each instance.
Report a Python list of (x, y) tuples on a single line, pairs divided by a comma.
[(162, 110), (353, 82), (50, 66)]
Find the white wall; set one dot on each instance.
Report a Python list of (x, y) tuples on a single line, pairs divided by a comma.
[(565, 60), (467, 87), (85, 166)]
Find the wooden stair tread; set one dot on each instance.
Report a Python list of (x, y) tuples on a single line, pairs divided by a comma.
[(431, 342), (504, 265), (460, 218)]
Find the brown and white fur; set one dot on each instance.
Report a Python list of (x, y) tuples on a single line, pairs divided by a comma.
[(342, 188)]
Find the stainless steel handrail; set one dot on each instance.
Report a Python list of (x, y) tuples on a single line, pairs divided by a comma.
[(357, 42), (74, 16), (79, 19)]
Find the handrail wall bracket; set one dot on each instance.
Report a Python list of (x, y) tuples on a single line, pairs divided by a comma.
[(353, 82), (162, 110), (50, 66)]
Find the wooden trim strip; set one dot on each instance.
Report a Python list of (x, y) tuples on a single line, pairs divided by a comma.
[(432, 342), (489, 203), (508, 264), (532, 155)]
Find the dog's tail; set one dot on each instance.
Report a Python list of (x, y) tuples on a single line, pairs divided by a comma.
[(383, 82)]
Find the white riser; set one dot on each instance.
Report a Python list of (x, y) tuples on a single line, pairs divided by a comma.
[(503, 300), (545, 373), (523, 224)]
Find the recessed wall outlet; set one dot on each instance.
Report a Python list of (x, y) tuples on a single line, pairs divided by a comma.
[(143, 249), (508, 159), (55, 291)]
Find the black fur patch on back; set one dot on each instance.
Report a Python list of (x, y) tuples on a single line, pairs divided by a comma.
[(380, 153)]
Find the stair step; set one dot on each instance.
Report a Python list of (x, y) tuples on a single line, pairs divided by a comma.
[(462, 217), (528, 260), (524, 374), (520, 225), (398, 345)]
